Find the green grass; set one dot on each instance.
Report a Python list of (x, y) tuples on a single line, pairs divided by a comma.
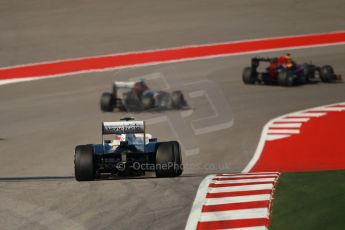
[(309, 200)]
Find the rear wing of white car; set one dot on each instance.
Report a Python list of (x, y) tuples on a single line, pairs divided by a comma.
[(123, 127), (124, 84)]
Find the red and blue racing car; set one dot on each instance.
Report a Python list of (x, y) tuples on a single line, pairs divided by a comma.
[(286, 72)]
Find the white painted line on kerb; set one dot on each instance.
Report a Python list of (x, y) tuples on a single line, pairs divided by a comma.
[(272, 137), (307, 114), (284, 131), (329, 109), (243, 181), (237, 199), (248, 174), (198, 217), (287, 125), (292, 120), (235, 214), (245, 176), (248, 228), (341, 104), (241, 188)]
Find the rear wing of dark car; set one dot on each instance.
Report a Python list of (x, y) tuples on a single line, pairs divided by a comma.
[(256, 61)]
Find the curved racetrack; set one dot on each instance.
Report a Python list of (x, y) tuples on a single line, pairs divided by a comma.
[(42, 121)]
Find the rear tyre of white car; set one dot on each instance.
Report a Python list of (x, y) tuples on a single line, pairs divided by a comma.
[(177, 100), (84, 169), (148, 102), (178, 158), (107, 101), (168, 160)]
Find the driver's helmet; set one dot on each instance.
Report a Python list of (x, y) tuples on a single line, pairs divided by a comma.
[(289, 62), (143, 86), (142, 83), (288, 57), (116, 142), (285, 60), (136, 138), (140, 87)]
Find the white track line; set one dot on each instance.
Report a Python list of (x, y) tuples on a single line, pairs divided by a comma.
[(182, 47), (9, 81)]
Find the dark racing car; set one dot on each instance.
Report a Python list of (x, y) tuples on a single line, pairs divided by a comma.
[(127, 150), (137, 96), (285, 72)]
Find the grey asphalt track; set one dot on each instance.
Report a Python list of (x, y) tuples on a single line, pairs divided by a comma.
[(42, 121)]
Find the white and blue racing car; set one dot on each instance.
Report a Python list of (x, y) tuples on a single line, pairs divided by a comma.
[(126, 150)]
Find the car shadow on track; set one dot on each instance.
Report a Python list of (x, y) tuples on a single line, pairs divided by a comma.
[(34, 178), (314, 82), (103, 178), (148, 177)]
